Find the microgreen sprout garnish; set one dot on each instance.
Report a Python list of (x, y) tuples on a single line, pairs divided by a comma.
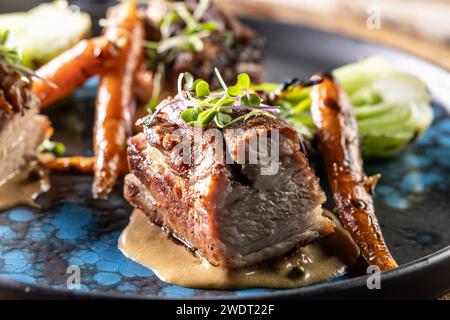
[(293, 97), (233, 104), (181, 28), (13, 57)]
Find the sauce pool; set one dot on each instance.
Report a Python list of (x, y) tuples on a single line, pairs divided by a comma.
[(24, 187), (148, 245)]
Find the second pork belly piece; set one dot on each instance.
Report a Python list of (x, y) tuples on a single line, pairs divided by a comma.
[(231, 214), (22, 129)]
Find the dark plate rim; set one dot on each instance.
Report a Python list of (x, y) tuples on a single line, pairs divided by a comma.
[(439, 260)]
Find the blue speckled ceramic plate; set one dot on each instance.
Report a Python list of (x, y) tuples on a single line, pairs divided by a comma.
[(412, 200)]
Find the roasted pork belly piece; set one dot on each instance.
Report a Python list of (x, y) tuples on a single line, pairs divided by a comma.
[(20, 136), (22, 130), (233, 48), (225, 207)]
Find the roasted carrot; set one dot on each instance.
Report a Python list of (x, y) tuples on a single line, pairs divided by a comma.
[(114, 107), (339, 143), (77, 163), (72, 68)]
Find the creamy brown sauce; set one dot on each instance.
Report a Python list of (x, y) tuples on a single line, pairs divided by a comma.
[(148, 245), (24, 187)]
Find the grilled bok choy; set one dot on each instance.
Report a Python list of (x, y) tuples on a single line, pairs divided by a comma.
[(392, 108)]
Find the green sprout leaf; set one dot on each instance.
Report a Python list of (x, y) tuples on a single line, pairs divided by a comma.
[(243, 81), (251, 99), (202, 89), (208, 26), (190, 114), (227, 102), (196, 82), (206, 116), (222, 119), (234, 91)]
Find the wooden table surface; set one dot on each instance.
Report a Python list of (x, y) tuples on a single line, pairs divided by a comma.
[(345, 22)]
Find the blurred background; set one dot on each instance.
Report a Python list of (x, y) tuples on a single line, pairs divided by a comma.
[(418, 26)]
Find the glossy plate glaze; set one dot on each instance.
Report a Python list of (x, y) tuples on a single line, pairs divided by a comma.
[(412, 200)]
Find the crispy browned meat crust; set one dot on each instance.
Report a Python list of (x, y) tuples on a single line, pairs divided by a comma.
[(231, 213), (339, 143), (19, 121), (15, 92)]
